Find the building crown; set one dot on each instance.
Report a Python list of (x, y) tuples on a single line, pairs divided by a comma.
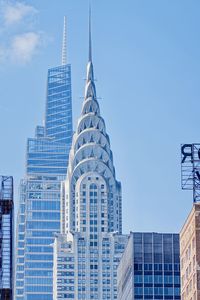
[(91, 157)]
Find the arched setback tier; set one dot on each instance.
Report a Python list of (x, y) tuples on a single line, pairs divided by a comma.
[(92, 135), (90, 105), (95, 151), (91, 121), (107, 201)]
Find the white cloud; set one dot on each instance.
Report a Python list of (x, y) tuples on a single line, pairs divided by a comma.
[(24, 47), (20, 41), (15, 12)]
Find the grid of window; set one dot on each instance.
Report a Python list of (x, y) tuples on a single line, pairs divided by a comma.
[(156, 266), (92, 208), (46, 166)]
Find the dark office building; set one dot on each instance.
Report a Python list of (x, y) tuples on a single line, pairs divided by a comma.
[(150, 267), (6, 237)]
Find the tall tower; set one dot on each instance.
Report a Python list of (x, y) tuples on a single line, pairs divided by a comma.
[(87, 252), (46, 166), (6, 241), (91, 154)]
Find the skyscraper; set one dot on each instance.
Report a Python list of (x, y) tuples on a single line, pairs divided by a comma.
[(46, 166), (150, 267), (88, 251), (6, 237)]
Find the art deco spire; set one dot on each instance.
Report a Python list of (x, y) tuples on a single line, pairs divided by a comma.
[(90, 37), (90, 90), (91, 154), (64, 43), (91, 131)]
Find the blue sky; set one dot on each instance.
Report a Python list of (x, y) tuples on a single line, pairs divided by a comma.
[(146, 60)]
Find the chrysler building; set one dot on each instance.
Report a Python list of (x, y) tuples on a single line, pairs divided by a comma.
[(88, 250)]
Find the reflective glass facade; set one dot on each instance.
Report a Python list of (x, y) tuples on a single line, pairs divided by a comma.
[(150, 267), (39, 211), (6, 240), (58, 118)]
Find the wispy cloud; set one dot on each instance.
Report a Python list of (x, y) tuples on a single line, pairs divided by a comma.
[(24, 47), (20, 40), (15, 12)]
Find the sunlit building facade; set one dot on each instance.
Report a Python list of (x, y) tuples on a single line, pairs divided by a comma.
[(39, 212), (88, 250), (150, 267), (190, 255)]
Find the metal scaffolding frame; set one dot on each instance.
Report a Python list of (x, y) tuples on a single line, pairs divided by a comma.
[(190, 169)]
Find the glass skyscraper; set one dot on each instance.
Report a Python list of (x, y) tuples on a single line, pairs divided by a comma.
[(150, 267), (6, 237), (39, 211), (58, 117)]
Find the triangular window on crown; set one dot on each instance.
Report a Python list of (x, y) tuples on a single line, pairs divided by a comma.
[(105, 147), (103, 172), (97, 168), (107, 162), (83, 155), (91, 125), (92, 153)]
